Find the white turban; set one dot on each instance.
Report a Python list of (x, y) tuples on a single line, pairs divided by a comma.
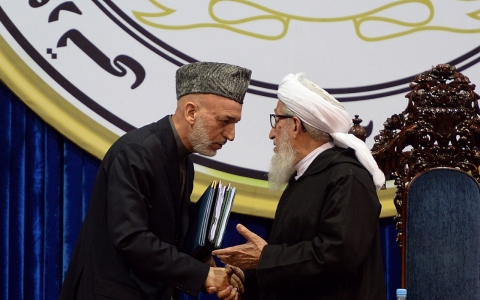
[(317, 108)]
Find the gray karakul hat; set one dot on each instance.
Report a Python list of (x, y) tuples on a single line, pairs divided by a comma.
[(222, 79)]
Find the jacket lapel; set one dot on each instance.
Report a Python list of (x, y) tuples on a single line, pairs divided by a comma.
[(172, 168), (186, 195)]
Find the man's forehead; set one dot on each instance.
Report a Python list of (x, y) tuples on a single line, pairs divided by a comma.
[(228, 110)]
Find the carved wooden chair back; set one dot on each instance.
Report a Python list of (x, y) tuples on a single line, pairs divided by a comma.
[(439, 130)]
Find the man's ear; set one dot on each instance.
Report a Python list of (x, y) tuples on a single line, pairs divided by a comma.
[(190, 111), (297, 126)]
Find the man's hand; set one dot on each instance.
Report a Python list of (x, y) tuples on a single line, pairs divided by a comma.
[(237, 279), (244, 256), (218, 281), (230, 293)]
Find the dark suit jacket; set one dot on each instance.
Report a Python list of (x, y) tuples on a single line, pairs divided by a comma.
[(135, 224), (324, 242)]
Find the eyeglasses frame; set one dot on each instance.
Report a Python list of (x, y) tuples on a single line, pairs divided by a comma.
[(273, 117)]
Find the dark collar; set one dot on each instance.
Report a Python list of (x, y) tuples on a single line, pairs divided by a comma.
[(331, 157), (182, 150)]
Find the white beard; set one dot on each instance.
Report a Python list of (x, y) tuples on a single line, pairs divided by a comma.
[(282, 163), (199, 139)]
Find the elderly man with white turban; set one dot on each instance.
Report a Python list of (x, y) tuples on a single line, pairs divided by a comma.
[(324, 242)]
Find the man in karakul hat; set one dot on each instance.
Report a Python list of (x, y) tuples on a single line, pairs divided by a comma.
[(324, 242), (138, 215)]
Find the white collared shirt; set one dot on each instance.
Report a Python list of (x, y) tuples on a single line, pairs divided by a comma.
[(303, 165)]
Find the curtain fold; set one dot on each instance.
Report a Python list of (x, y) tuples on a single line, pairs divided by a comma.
[(45, 185), (5, 124), (53, 242), (45, 181)]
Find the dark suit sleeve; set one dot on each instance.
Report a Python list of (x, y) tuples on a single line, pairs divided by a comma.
[(130, 183), (251, 285), (348, 224)]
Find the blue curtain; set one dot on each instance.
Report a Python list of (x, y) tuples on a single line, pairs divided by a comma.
[(45, 183)]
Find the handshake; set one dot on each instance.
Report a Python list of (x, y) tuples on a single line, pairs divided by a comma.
[(227, 282)]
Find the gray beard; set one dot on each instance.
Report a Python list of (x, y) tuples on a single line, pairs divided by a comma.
[(199, 139), (282, 163)]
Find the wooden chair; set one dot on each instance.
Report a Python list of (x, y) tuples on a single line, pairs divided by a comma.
[(430, 150)]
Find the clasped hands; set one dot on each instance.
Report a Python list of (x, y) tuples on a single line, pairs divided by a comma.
[(245, 256), (226, 282)]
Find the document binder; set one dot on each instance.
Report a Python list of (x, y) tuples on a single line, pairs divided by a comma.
[(217, 212), (227, 207), (208, 220)]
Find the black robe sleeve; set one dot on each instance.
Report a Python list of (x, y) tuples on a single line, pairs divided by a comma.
[(131, 178)]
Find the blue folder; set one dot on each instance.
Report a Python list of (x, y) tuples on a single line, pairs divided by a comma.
[(196, 243), (208, 219)]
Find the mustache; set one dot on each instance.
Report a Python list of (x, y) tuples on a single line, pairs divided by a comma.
[(221, 142)]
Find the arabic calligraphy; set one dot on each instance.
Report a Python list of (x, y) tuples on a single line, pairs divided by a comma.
[(119, 62)]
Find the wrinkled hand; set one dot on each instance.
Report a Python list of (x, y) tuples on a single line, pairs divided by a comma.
[(245, 256)]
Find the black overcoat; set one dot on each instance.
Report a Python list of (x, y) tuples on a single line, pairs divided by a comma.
[(324, 242), (135, 224)]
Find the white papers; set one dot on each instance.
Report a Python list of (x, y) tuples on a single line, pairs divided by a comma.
[(209, 220), (217, 210), (227, 207)]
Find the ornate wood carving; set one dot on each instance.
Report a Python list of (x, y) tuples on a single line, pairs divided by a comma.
[(357, 130), (439, 128)]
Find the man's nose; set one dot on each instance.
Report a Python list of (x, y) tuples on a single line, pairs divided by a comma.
[(229, 132), (271, 135)]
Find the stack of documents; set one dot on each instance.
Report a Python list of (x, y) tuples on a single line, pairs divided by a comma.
[(208, 221)]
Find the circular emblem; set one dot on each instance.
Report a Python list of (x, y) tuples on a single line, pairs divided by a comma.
[(112, 63)]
